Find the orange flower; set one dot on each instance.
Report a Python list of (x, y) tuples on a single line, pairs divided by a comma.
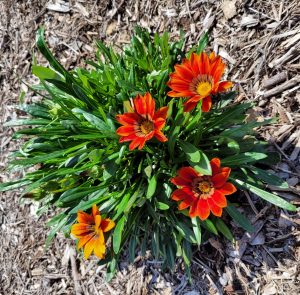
[(143, 123), (198, 78), (89, 230), (203, 193)]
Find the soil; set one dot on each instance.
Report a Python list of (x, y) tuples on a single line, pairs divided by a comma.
[(260, 42)]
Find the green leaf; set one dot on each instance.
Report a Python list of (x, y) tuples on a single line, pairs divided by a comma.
[(185, 231), (239, 218), (272, 198), (117, 236), (202, 43), (196, 158), (162, 206), (268, 177), (223, 228), (208, 224), (241, 159), (151, 187), (197, 229), (44, 73)]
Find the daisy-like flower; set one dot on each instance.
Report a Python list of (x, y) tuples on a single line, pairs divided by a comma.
[(202, 193), (89, 230), (198, 78), (142, 123)]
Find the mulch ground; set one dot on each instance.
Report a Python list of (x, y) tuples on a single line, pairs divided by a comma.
[(260, 41)]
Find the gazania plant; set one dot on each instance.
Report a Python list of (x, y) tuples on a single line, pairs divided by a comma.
[(143, 150)]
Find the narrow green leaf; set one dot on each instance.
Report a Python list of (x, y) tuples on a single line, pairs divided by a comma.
[(117, 236), (197, 229), (241, 159), (196, 158), (223, 228), (272, 198), (208, 224), (239, 218), (151, 187), (44, 73)]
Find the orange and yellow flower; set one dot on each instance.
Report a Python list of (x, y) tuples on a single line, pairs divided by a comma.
[(90, 231), (143, 123), (202, 193), (198, 78)]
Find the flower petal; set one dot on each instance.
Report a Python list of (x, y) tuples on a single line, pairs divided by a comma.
[(215, 209), (160, 136), (219, 199), (159, 123), (99, 249), (188, 173), (220, 178), (161, 113), (223, 86), (107, 224), (126, 130), (203, 209), (184, 204), (179, 181), (95, 210), (193, 209), (81, 229), (89, 247), (127, 118), (150, 103), (227, 189), (206, 104), (179, 195), (215, 164), (83, 217), (97, 221), (82, 241)]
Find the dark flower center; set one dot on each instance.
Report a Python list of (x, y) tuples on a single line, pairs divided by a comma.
[(146, 127), (203, 187)]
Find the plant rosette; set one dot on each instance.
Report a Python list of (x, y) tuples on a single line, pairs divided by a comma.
[(145, 150)]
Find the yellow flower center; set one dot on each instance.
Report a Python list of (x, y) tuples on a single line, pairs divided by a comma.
[(202, 187), (204, 88), (147, 127)]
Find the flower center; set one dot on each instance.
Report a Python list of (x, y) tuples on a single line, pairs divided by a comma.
[(203, 187), (204, 88), (147, 127)]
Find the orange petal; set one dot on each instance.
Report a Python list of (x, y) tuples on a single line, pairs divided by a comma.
[(180, 181), (219, 199), (95, 210), (81, 229), (107, 224), (83, 217), (99, 250), (97, 221), (184, 204), (126, 130), (203, 209), (215, 164), (204, 66), (188, 173), (191, 103), (193, 209), (128, 138), (206, 104), (150, 103), (161, 113), (142, 143), (179, 195), (89, 247), (227, 189), (184, 72), (140, 105), (82, 241), (216, 210), (160, 136), (220, 178), (135, 143), (223, 86), (159, 123), (127, 118)]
